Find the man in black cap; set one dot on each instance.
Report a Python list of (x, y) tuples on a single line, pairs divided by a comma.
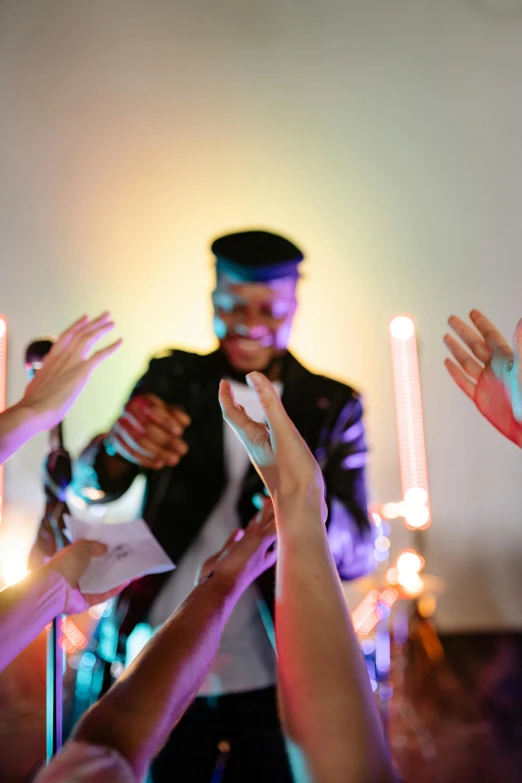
[(200, 487)]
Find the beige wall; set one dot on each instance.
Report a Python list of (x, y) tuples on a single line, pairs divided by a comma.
[(384, 136)]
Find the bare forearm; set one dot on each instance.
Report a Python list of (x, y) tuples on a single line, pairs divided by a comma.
[(26, 608), (141, 709), (17, 425), (327, 703)]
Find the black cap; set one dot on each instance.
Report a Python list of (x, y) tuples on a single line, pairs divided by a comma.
[(256, 256)]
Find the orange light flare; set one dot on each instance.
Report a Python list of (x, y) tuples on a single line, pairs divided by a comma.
[(405, 574), (371, 609), (72, 638), (3, 386), (415, 506)]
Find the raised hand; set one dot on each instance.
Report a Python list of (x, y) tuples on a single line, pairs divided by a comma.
[(66, 369), (71, 563), (488, 371), (277, 450), (246, 553), (149, 432)]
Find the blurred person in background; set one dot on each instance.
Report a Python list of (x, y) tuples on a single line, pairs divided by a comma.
[(200, 487)]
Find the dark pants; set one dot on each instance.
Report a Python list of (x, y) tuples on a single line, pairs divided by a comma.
[(247, 723)]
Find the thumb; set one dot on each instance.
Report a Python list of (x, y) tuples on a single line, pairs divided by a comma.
[(88, 548), (74, 560), (83, 550), (96, 548)]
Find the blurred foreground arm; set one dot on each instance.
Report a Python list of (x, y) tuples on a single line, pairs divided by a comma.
[(326, 701), (488, 371), (28, 606), (55, 387), (139, 712)]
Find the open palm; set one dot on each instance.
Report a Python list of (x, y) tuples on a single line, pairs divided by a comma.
[(67, 368), (277, 450), (246, 554), (489, 372)]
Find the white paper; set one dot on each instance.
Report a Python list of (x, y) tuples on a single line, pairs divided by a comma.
[(132, 552)]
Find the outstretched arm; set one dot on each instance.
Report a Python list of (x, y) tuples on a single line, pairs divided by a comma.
[(28, 606), (139, 712), (326, 701), (55, 387)]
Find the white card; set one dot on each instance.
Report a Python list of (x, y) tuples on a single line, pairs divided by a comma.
[(132, 552)]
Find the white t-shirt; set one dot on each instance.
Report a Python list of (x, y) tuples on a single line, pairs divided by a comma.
[(245, 660)]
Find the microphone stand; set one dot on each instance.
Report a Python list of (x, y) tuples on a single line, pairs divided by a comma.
[(57, 477), (50, 539)]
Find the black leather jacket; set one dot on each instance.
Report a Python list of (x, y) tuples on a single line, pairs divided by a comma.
[(178, 500)]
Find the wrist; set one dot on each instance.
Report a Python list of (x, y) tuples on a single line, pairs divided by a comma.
[(298, 521), (306, 507), (223, 585), (55, 583), (27, 417)]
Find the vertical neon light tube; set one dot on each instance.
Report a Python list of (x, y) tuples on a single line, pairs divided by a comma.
[(410, 423), (3, 384)]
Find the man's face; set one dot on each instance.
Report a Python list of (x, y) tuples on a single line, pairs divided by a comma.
[(252, 321)]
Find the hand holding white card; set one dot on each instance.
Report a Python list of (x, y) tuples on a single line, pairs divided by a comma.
[(132, 552)]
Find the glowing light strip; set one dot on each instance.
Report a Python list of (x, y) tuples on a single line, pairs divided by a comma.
[(410, 424), (3, 380)]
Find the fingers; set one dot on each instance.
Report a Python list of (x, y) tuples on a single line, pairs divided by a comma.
[(98, 357), (129, 450), (132, 438), (154, 441), (96, 548), (271, 554), (74, 344), (169, 417), (237, 535), (249, 431), (234, 414), (148, 439), (82, 342), (85, 548), (233, 538), (461, 379), (265, 518), (149, 408), (64, 338), (74, 560), (466, 361), (471, 338), (269, 399), (489, 332)]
